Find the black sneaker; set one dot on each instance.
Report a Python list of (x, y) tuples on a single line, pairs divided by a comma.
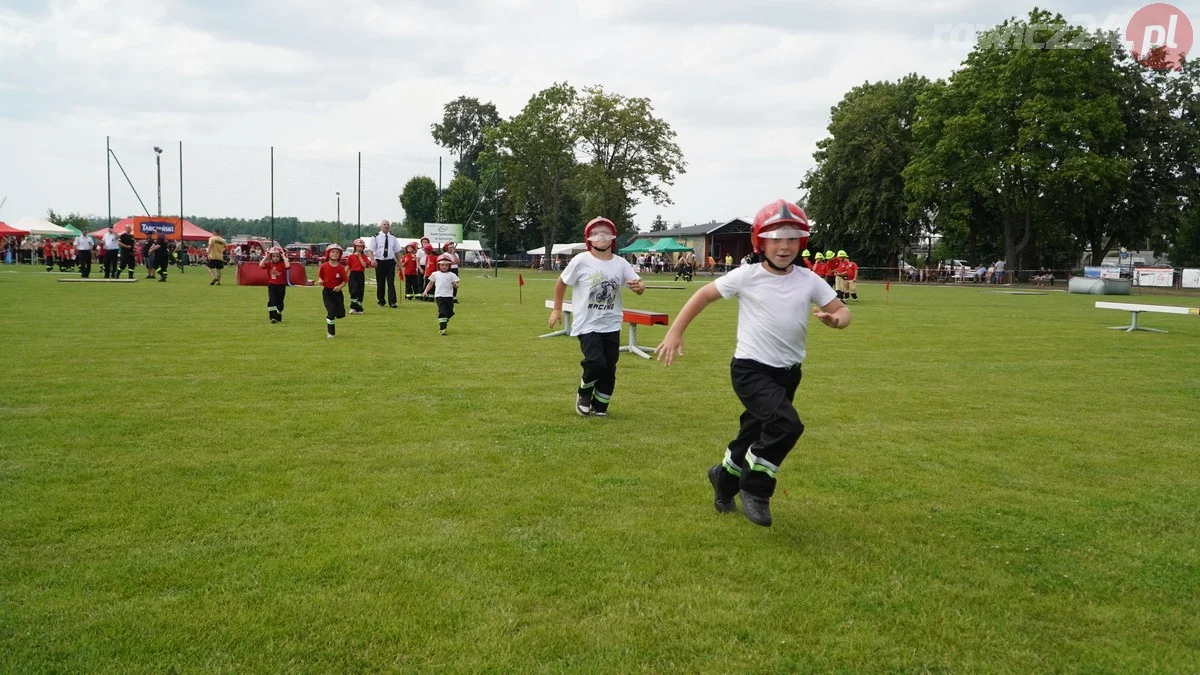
[(583, 405), (723, 502), (213, 282), (757, 509), (599, 413)]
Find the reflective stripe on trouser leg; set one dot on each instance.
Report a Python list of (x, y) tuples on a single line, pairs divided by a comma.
[(601, 398), (730, 464), (756, 463)]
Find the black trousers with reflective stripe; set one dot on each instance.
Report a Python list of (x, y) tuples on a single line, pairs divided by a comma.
[(770, 422), (600, 354), (275, 294), (357, 284)]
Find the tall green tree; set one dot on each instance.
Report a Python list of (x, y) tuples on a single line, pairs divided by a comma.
[(459, 200), (1020, 119), (461, 130), (420, 202), (659, 224), (856, 192), (535, 153), (631, 147)]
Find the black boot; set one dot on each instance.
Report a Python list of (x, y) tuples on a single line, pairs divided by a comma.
[(725, 486), (757, 509)]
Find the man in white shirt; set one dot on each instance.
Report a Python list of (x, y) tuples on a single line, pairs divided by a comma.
[(383, 248), (774, 297), (596, 277), (84, 244), (111, 251)]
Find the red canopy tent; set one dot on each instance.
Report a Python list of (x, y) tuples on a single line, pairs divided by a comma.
[(191, 231), (8, 231)]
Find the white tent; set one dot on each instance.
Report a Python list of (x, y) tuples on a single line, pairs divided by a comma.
[(559, 249), (40, 226), (470, 245)]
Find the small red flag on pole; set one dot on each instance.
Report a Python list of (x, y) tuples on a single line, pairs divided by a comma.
[(887, 288), (520, 289)]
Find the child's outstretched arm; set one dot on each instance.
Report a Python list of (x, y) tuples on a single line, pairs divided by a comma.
[(835, 315), (427, 287), (560, 292), (672, 343)]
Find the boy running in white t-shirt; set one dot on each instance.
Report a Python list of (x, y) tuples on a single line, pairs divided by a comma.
[(773, 301), (444, 283), (596, 278)]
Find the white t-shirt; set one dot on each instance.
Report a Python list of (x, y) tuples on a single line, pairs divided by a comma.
[(596, 292), (443, 284), (773, 311), (421, 257), (84, 243), (110, 241)]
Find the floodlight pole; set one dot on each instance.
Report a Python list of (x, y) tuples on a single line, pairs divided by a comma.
[(108, 170), (359, 234), (158, 170)]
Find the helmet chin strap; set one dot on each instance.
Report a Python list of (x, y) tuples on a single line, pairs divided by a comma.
[(606, 249), (777, 268)]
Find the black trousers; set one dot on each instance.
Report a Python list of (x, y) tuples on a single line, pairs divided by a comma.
[(445, 308), (357, 283), (161, 262), (275, 294), (385, 274), (412, 286), (110, 264), (85, 263), (127, 263), (335, 308), (769, 429), (600, 354)]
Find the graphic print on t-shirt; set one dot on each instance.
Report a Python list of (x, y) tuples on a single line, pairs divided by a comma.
[(603, 292)]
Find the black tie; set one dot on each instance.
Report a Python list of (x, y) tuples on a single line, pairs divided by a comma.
[(385, 246)]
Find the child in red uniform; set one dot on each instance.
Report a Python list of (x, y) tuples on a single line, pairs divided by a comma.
[(276, 265), (805, 260), (333, 279), (48, 254), (430, 266), (818, 267), (408, 268), (357, 263), (772, 332), (850, 279)]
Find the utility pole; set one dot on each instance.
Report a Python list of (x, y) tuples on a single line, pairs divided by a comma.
[(158, 168)]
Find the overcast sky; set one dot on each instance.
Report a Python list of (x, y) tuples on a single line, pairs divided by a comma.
[(746, 85)]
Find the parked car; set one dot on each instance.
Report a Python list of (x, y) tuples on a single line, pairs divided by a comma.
[(312, 252)]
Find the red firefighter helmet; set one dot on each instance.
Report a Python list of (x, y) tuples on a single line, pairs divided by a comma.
[(444, 258), (334, 247), (359, 242), (780, 219), (591, 231)]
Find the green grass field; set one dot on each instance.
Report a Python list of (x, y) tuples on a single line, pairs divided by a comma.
[(988, 483)]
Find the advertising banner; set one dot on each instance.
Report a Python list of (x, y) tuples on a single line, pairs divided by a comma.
[(440, 233), (1160, 278), (1191, 279)]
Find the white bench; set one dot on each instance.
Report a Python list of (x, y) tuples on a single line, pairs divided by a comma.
[(633, 317), (1134, 310)]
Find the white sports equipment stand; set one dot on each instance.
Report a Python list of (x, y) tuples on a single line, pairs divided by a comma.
[(1134, 310), (632, 347)]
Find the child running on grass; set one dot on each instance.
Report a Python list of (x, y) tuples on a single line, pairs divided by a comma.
[(277, 279), (773, 301), (445, 283), (596, 277), (334, 277)]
